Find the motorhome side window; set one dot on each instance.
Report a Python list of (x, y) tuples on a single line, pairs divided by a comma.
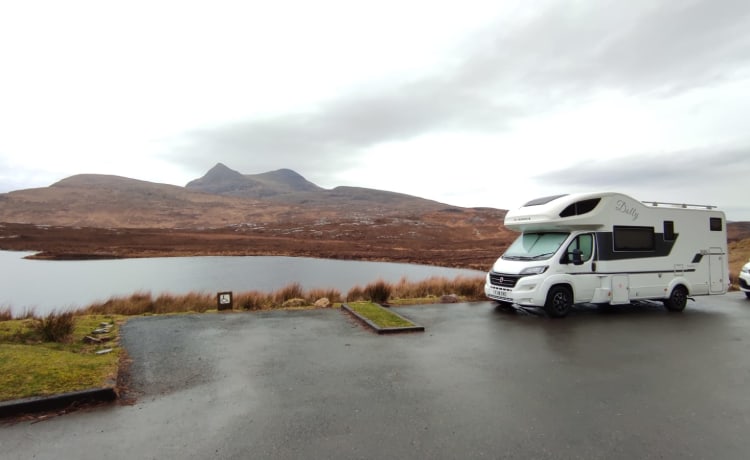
[(633, 238), (580, 207), (584, 243), (716, 224)]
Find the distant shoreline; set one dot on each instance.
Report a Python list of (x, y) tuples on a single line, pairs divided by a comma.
[(91, 243)]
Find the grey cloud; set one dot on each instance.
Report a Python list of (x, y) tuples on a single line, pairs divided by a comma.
[(509, 70), (678, 169), (310, 141), (653, 47)]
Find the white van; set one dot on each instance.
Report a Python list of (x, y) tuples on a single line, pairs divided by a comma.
[(745, 279), (608, 248)]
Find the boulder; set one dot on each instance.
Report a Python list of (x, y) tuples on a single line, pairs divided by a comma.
[(294, 303), (323, 303)]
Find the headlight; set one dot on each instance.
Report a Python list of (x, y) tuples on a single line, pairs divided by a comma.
[(535, 270)]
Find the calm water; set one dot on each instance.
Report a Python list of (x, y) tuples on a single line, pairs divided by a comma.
[(49, 285)]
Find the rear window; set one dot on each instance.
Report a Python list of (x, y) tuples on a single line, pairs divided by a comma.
[(716, 225)]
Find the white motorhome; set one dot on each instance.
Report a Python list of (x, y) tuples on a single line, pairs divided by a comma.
[(608, 248)]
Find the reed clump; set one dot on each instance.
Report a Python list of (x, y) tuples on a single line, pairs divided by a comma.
[(288, 292), (355, 294), (56, 327), (333, 295), (254, 300), (466, 288), (378, 292)]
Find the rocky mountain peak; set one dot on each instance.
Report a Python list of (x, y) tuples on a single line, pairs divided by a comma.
[(222, 180), (219, 173)]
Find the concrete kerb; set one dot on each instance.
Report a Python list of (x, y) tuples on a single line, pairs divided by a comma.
[(384, 330), (24, 406)]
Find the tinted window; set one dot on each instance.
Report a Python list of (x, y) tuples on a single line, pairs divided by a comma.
[(634, 238), (580, 207)]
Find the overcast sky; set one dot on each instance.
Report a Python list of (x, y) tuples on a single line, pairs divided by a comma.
[(471, 103)]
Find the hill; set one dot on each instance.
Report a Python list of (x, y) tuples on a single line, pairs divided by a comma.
[(222, 180), (274, 213), (220, 198), (228, 213)]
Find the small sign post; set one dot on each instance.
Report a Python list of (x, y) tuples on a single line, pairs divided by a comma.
[(224, 301)]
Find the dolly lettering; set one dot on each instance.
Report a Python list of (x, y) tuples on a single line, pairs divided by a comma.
[(623, 207)]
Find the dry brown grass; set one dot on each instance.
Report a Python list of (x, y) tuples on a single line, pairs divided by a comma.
[(56, 327), (467, 288), (5, 314), (379, 291), (334, 295), (355, 294), (138, 303), (142, 303), (291, 291), (254, 300)]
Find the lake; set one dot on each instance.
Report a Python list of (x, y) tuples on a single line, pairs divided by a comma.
[(55, 285)]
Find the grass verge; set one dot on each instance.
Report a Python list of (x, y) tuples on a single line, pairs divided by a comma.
[(29, 366), (380, 316)]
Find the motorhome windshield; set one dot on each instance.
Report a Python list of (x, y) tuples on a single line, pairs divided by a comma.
[(535, 246)]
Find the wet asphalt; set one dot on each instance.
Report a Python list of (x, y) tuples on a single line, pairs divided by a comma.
[(617, 383)]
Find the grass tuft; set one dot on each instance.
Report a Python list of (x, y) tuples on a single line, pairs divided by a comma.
[(333, 295), (355, 294), (379, 291), (56, 327), (291, 291), (5, 314), (254, 300)]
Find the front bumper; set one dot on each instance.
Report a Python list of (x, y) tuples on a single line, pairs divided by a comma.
[(744, 282), (520, 289)]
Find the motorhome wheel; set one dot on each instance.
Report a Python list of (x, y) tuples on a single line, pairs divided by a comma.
[(677, 299), (559, 302)]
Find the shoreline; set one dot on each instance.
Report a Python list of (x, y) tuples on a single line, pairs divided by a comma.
[(91, 243)]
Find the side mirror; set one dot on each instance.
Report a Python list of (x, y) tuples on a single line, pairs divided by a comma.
[(577, 257)]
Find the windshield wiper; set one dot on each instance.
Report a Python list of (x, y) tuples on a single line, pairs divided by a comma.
[(542, 256)]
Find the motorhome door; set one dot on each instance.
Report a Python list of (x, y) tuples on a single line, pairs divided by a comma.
[(580, 259), (716, 264)]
